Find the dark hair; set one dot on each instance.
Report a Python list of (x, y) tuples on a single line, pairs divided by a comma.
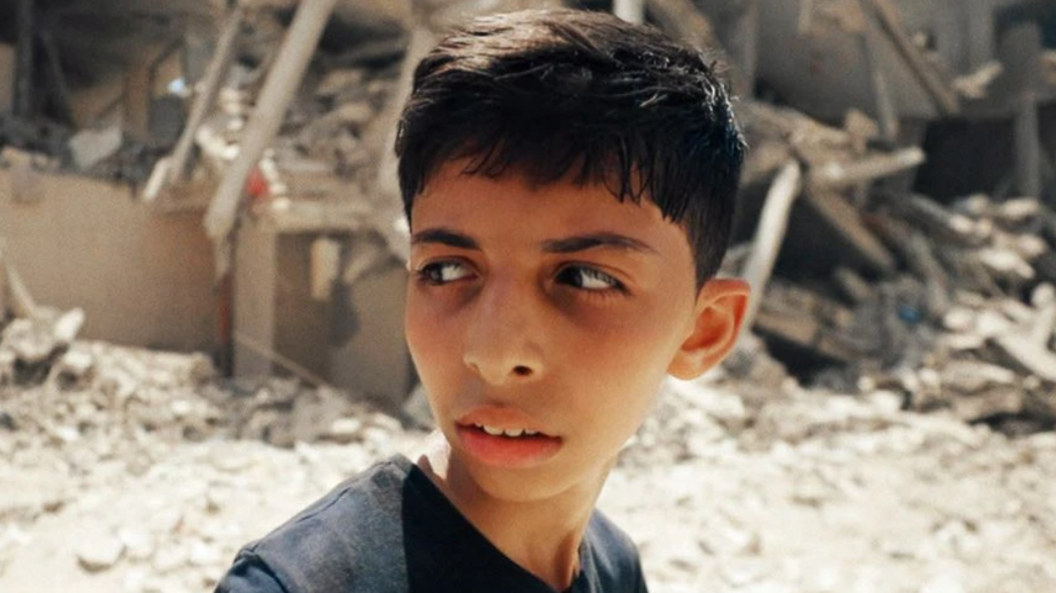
[(554, 92)]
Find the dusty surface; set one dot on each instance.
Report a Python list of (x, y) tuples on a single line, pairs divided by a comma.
[(130, 476)]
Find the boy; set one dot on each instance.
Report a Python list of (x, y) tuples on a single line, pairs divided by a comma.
[(569, 180)]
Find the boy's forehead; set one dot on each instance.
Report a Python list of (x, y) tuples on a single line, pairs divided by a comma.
[(507, 212), (455, 190)]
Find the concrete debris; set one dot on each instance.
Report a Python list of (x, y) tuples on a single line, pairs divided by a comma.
[(883, 288), (91, 147), (100, 553), (339, 82), (779, 458), (902, 363), (345, 430)]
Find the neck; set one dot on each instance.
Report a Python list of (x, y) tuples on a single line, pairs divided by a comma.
[(542, 536)]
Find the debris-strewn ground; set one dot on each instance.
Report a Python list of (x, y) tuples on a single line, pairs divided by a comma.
[(127, 474)]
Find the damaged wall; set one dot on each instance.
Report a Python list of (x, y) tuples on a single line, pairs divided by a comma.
[(351, 337), (142, 278)]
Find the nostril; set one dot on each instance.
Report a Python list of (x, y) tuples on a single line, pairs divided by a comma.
[(522, 371)]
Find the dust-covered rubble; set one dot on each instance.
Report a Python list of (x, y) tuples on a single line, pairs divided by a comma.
[(729, 486)]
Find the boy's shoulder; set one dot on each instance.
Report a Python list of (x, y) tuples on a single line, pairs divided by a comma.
[(349, 540)]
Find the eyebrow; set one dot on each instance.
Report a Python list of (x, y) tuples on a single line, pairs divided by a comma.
[(574, 244), (445, 237), (594, 240)]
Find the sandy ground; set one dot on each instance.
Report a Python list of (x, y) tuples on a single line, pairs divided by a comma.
[(805, 493)]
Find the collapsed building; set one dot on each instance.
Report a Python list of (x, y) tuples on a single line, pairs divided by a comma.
[(218, 176)]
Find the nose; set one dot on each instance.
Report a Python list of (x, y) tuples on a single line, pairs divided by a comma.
[(502, 343)]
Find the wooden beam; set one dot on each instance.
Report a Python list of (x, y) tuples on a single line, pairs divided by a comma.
[(773, 222), (832, 210), (891, 23), (138, 93), (744, 48), (1023, 48), (209, 88), (886, 112), (281, 85), (836, 175)]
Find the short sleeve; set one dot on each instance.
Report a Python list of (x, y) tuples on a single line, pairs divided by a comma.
[(249, 574)]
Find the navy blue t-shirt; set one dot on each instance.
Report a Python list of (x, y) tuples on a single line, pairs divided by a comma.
[(391, 530)]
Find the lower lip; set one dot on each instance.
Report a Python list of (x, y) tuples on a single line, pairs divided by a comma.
[(506, 452)]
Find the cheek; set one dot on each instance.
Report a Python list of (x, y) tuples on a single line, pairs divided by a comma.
[(623, 363), (628, 341), (430, 339)]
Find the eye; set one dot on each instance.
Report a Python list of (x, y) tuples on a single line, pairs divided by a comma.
[(588, 278), (440, 273)]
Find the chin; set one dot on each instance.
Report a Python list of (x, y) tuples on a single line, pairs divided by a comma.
[(518, 485), (528, 485)]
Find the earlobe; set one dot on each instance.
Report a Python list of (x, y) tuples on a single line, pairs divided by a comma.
[(720, 311)]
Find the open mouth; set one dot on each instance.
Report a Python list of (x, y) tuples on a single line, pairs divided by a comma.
[(510, 433), (507, 446)]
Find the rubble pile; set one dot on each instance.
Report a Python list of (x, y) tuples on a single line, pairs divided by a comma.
[(952, 305), (84, 425), (321, 150), (751, 511), (95, 401), (967, 325)]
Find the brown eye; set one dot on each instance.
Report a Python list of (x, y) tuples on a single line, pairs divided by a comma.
[(440, 273), (588, 278)]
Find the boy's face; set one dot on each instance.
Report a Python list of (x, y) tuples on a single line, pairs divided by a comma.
[(555, 309)]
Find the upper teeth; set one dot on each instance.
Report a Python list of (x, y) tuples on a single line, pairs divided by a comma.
[(510, 432)]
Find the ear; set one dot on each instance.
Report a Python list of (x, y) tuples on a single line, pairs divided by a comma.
[(720, 311)]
